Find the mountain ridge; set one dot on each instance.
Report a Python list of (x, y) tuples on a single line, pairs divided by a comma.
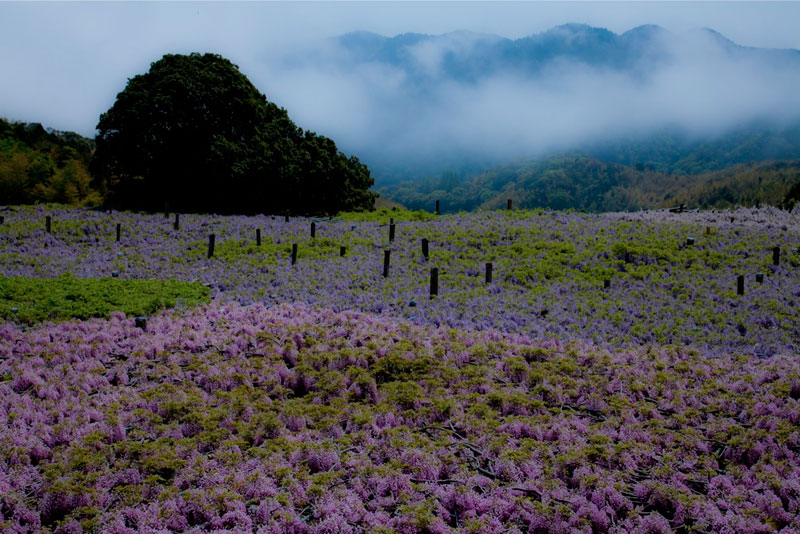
[(442, 81)]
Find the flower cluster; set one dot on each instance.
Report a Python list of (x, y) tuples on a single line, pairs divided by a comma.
[(299, 419)]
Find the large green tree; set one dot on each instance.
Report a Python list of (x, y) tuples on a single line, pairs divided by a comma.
[(194, 132)]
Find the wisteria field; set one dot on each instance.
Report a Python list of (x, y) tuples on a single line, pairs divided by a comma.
[(609, 378)]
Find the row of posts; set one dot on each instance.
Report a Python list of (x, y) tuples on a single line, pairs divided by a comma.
[(776, 251), (177, 223)]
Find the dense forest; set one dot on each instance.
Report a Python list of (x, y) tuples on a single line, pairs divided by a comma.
[(38, 165), (584, 183)]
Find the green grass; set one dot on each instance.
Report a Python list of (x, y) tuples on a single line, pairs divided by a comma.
[(383, 215), (31, 300)]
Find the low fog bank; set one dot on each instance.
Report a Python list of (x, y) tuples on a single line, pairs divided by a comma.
[(415, 98)]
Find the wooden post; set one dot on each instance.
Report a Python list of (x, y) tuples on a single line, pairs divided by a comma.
[(177, 223), (211, 238), (342, 251), (386, 254), (509, 204), (776, 256), (437, 207), (391, 232), (740, 285), (294, 253), (425, 248), (760, 278), (391, 220), (141, 322), (606, 283), (287, 217), (119, 230), (434, 281), (313, 229), (47, 224), (689, 241), (258, 237), (489, 273), (708, 230)]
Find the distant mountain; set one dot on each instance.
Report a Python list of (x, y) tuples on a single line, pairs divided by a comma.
[(464, 102), (468, 57)]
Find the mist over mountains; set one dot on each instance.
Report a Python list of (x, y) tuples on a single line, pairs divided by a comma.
[(418, 105)]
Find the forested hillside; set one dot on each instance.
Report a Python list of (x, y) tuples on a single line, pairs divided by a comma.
[(583, 183), (38, 165)]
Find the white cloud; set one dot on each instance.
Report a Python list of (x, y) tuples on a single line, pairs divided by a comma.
[(63, 64)]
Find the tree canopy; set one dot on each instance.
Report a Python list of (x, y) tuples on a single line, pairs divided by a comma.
[(194, 132)]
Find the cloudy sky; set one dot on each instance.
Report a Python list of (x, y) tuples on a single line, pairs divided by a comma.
[(63, 63)]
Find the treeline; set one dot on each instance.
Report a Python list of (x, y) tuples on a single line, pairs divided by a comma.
[(583, 183), (38, 165), (192, 134)]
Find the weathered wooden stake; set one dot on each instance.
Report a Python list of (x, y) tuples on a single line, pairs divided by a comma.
[(386, 254), (606, 283), (258, 237), (434, 281), (342, 251), (313, 229), (391, 232), (177, 223), (489, 273), (119, 231), (294, 253), (689, 241), (708, 230), (437, 207), (425, 248), (740, 285), (776, 256), (509, 204), (47, 224), (211, 238), (760, 278), (141, 322)]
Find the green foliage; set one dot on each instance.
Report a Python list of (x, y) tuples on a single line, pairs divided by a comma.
[(30, 300), (194, 132), (384, 215), (41, 166)]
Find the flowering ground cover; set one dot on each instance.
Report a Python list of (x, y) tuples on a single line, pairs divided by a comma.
[(608, 379), (549, 268), (296, 419)]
